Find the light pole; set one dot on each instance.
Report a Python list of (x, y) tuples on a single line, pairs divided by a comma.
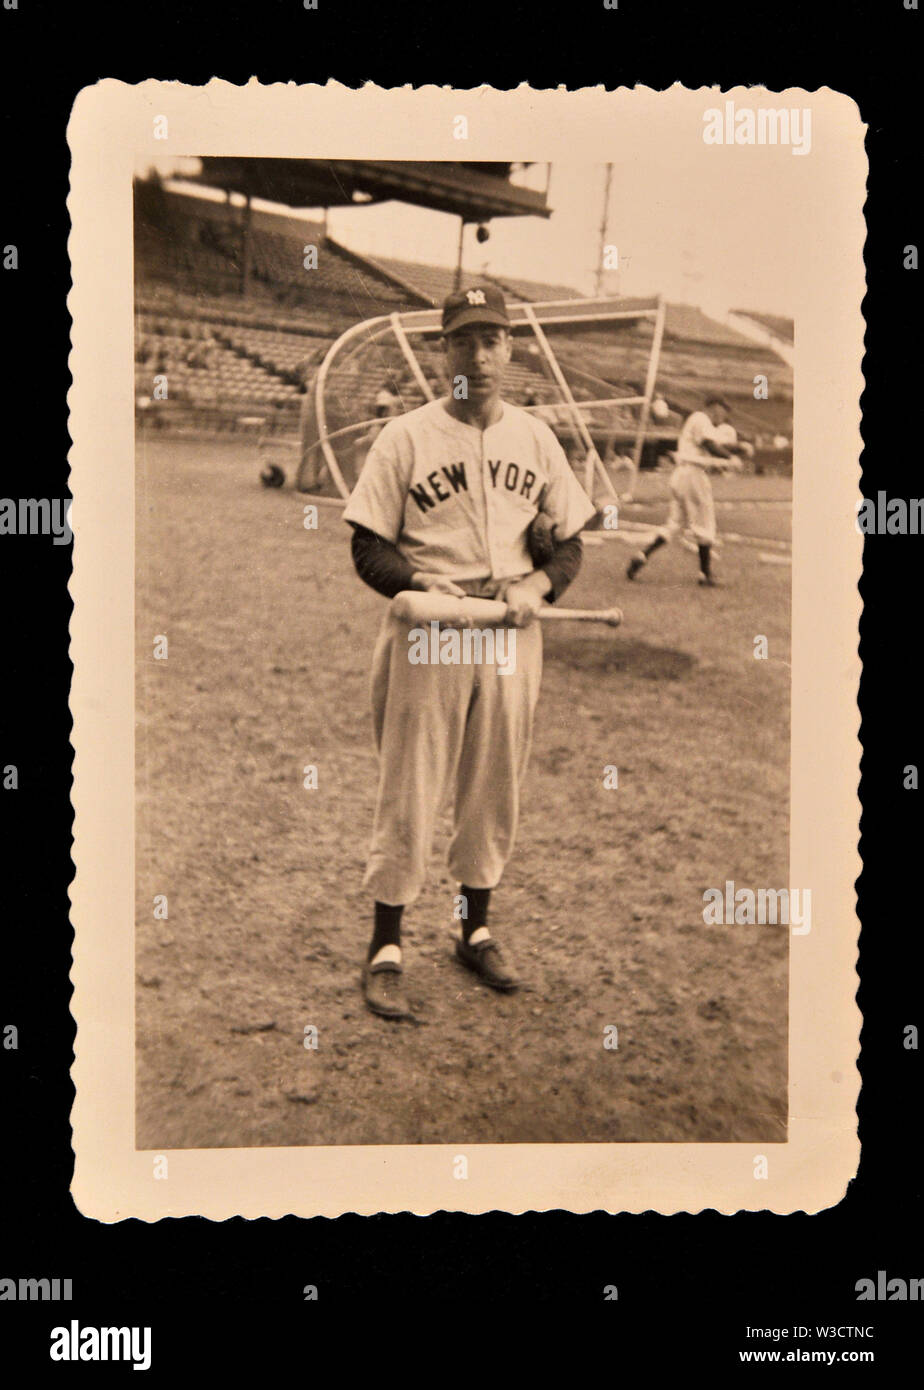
[(604, 228), (458, 280)]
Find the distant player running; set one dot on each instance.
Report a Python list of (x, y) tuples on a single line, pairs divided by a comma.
[(708, 443)]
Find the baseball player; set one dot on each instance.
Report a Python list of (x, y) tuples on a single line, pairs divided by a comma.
[(448, 500), (700, 450), (387, 405)]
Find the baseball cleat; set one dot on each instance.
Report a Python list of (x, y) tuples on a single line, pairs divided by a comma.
[(383, 989), (708, 581), (635, 564), (487, 960)]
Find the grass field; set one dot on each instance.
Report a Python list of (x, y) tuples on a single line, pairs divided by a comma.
[(270, 635)]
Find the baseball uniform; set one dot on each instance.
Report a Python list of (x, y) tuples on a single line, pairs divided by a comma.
[(691, 502), (457, 501)]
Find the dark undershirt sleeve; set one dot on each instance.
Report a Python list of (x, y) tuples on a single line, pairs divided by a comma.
[(379, 563), (563, 566)]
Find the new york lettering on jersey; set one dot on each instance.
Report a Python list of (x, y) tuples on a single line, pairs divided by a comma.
[(432, 490), (510, 476), (459, 500)]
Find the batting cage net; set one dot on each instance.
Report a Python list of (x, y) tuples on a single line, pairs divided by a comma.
[(586, 367)]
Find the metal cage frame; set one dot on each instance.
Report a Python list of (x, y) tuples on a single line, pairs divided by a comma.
[(524, 318)]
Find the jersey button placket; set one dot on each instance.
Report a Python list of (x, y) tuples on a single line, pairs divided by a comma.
[(488, 504)]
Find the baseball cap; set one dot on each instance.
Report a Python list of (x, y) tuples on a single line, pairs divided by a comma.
[(480, 304)]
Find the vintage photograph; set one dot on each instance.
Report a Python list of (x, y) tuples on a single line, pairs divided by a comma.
[(465, 648), (406, 882)]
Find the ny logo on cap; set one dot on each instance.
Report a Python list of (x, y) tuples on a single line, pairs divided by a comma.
[(475, 296)]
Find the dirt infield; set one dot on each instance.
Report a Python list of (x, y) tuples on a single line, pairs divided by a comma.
[(270, 635)]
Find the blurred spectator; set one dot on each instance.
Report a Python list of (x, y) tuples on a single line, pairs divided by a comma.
[(387, 404)]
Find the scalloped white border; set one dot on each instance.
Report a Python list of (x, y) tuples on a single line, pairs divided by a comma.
[(110, 123)]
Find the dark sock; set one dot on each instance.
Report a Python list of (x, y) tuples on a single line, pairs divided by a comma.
[(655, 544), (705, 553), (476, 901), (387, 928)]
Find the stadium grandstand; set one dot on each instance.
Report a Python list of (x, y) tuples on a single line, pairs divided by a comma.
[(434, 282), (781, 328), (227, 310)]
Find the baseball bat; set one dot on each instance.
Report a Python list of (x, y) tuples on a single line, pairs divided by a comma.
[(427, 606)]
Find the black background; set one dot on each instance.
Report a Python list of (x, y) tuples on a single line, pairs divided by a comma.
[(222, 1295)]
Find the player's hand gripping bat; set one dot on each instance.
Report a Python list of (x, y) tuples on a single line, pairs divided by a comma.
[(416, 607)]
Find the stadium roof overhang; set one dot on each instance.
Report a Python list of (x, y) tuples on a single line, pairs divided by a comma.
[(474, 192)]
